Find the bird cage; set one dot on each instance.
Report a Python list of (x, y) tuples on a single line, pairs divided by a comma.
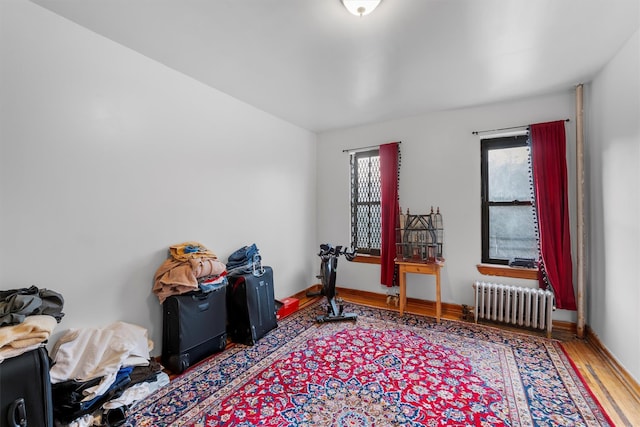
[(421, 237)]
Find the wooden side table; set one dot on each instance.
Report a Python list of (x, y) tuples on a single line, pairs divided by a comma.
[(432, 268)]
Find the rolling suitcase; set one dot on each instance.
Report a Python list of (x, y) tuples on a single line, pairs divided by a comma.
[(251, 306), (194, 327), (25, 390)]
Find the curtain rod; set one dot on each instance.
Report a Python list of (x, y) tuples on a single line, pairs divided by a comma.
[(476, 132), (348, 150)]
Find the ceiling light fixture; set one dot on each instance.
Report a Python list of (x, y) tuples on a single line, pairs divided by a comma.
[(361, 7)]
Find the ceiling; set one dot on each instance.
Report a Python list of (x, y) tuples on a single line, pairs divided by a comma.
[(315, 65)]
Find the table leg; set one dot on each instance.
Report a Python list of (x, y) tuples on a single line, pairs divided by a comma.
[(403, 289), (438, 305)]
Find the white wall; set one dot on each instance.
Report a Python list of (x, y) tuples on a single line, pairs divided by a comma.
[(440, 167), (612, 159), (107, 158)]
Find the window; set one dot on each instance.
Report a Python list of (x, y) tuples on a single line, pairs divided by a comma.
[(366, 224), (509, 226)]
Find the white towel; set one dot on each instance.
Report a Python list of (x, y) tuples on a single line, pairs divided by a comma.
[(9, 352), (33, 330), (85, 354)]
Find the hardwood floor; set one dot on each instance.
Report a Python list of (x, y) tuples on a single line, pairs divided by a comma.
[(616, 391)]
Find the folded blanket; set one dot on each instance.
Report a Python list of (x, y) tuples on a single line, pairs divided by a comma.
[(7, 352), (174, 278), (207, 267), (33, 330), (189, 250), (178, 277)]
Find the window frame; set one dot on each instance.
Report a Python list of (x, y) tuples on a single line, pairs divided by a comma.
[(487, 144), (370, 251)]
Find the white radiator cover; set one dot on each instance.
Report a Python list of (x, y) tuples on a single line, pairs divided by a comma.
[(517, 305)]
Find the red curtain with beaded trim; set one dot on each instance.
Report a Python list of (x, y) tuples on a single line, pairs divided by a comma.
[(390, 211), (549, 163)]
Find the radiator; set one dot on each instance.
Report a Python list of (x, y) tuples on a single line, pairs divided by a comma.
[(516, 305)]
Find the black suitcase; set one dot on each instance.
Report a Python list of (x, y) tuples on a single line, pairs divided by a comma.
[(193, 328), (251, 306), (25, 390)]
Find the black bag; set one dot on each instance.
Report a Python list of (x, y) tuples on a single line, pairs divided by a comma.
[(194, 327), (25, 390), (251, 306)]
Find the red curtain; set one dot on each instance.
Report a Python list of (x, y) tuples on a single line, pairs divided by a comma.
[(548, 152), (390, 211)]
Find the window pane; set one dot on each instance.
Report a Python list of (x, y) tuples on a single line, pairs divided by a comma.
[(365, 202), (509, 174), (512, 232), (376, 227), (368, 226), (363, 179), (363, 224), (368, 179), (375, 179)]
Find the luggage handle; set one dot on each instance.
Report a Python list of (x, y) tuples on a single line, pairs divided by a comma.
[(199, 296), (17, 414), (258, 270), (201, 300)]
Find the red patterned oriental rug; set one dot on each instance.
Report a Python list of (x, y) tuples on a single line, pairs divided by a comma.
[(382, 370)]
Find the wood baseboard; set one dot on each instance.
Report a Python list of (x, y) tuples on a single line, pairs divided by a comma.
[(625, 378), (566, 327), (418, 306), (414, 305)]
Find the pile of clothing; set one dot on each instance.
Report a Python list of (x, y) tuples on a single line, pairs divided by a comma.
[(247, 259), (98, 374), (189, 267), (28, 316)]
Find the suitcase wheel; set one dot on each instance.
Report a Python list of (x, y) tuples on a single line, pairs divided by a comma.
[(178, 363)]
